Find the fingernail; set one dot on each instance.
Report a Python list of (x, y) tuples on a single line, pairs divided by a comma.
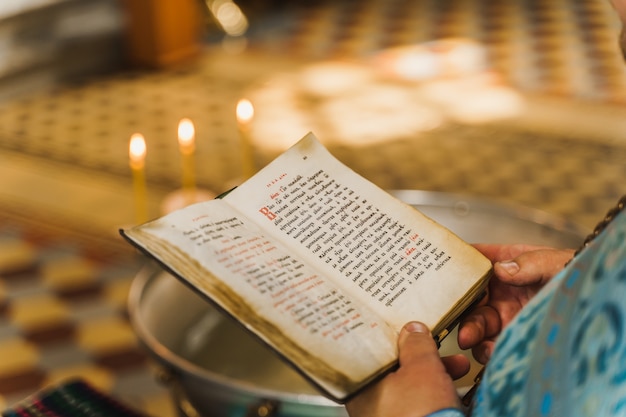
[(510, 266), (416, 327)]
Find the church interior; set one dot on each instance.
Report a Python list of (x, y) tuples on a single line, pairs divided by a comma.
[(509, 108)]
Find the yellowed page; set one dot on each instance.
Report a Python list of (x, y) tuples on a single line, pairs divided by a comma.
[(379, 249)]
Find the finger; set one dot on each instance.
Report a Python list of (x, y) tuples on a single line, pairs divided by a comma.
[(534, 267), (416, 346), (482, 352), (456, 365), (498, 252), (422, 367), (482, 323)]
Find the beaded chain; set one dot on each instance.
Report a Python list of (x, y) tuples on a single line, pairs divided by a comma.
[(608, 218)]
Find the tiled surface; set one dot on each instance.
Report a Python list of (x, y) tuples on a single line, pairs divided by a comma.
[(63, 315), (66, 184)]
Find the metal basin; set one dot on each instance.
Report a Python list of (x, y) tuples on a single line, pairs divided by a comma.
[(216, 369)]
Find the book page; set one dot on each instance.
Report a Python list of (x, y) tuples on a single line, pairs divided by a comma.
[(291, 305), (384, 252)]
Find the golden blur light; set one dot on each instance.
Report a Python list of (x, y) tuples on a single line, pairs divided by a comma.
[(398, 94), (229, 16)]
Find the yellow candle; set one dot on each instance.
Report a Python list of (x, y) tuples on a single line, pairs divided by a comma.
[(186, 142), (137, 155), (245, 113)]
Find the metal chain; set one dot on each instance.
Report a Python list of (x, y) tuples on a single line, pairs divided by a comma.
[(610, 215)]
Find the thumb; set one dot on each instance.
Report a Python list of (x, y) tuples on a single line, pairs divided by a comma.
[(416, 346), (421, 364)]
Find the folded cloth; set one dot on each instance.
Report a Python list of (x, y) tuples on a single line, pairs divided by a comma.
[(74, 398)]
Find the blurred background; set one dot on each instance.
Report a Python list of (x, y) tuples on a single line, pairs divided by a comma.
[(518, 103)]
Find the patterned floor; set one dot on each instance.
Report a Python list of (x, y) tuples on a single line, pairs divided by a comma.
[(63, 315), (66, 184)]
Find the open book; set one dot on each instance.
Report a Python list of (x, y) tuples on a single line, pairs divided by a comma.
[(320, 264)]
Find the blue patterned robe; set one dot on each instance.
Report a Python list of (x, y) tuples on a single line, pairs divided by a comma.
[(565, 352)]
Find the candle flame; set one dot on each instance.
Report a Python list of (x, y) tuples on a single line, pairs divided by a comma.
[(245, 111), (137, 150), (186, 132)]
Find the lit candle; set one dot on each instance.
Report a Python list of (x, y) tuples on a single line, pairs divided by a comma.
[(186, 142), (137, 155), (245, 113)]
